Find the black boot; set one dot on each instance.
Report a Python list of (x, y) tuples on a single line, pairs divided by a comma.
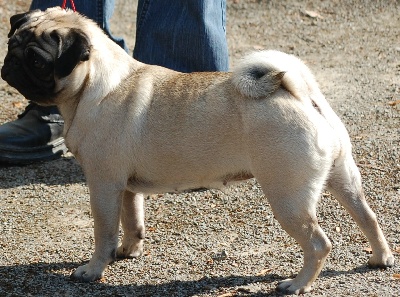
[(35, 136)]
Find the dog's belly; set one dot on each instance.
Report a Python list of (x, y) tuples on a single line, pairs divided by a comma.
[(142, 185)]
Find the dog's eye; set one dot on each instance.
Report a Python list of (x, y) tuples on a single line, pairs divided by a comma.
[(35, 60), (38, 62)]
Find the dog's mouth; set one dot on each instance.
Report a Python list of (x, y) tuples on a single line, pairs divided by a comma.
[(5, 71), (12, 66), (32, 94), (7, 76), (29, 85)]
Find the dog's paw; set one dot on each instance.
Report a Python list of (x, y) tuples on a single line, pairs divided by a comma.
[(289, 287), (85, 274), (131, 251), (381, 261), (130, 248)]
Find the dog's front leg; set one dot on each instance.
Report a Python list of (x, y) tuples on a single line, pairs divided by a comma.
[(132, 221), (105, 201)]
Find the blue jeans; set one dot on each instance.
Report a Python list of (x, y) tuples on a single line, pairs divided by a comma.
[(184, 35)]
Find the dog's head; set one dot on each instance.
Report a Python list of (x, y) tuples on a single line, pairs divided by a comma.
[(46, 51)]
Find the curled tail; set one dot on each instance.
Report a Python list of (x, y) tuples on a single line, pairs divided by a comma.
[(262, 73)]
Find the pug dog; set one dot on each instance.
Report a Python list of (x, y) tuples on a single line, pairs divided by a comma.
[(138, 129)]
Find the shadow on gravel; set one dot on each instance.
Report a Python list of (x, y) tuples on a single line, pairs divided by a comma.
[(357, 270), (48, 279), (44, 279), (58, 172)]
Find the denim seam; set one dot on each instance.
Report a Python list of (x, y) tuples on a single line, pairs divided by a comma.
[(100, 18), (143, 17), (223, 9)]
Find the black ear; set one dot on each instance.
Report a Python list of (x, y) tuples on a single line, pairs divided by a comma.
[(74, 47), (17, 20)]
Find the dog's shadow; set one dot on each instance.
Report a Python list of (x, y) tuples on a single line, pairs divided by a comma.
[(65, 170), (45, 279)]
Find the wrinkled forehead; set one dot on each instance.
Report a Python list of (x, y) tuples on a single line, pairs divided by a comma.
[(37, 27), (39, 21)]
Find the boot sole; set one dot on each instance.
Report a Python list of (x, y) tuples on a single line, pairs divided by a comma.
[(25, 156)]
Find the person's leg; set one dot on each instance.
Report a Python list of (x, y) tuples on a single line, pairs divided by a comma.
[(37, 133), (182, 35)]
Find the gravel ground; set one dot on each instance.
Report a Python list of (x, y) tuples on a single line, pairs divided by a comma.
[(231, 245)]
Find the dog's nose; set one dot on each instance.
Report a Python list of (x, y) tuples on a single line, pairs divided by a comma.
[(5, 70), (11, 63)]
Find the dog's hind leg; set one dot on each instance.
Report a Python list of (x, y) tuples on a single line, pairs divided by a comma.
[(345, 184), (132, 221), (295, 209)]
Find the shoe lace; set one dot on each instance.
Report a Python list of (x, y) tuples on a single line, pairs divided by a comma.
[(45, 113)]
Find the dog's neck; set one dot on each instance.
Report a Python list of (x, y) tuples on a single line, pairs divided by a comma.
[(108, 65)]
